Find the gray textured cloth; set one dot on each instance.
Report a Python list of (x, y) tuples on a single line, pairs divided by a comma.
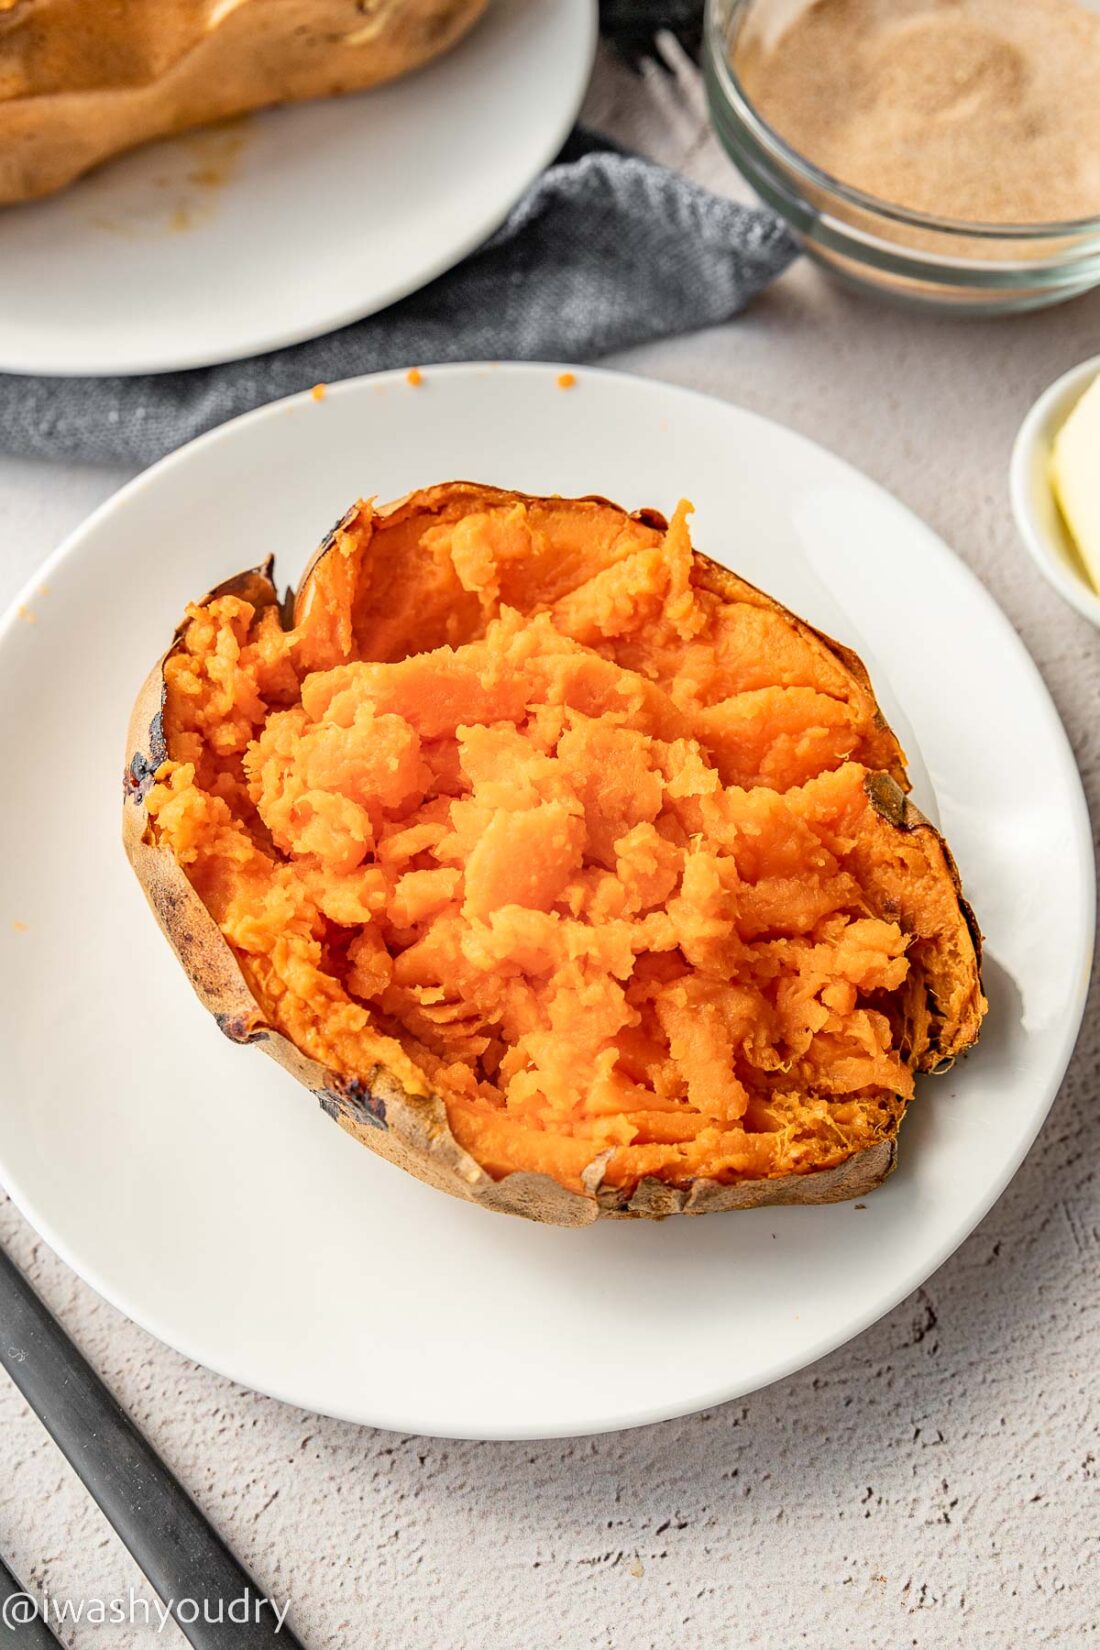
[(605, 250)]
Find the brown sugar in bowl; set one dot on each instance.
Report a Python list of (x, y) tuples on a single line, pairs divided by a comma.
[(929, 245)]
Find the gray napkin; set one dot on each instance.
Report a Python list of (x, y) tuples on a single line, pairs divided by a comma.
[(605, 250)]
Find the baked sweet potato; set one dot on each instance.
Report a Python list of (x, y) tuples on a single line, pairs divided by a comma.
[(568, 870), (81, 81)]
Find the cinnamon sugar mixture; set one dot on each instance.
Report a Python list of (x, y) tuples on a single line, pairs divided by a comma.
[(981, 110)]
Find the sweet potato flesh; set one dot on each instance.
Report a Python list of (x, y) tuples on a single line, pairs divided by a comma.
[(524, 809)]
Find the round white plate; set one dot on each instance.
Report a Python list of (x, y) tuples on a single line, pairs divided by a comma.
[(227, 242), (201, 1190)]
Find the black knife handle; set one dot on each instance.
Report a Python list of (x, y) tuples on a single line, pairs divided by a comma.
[(15, 1629), (187, 1562)]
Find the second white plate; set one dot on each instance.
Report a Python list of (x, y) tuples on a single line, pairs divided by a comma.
[(228, 242), (203, 1192)]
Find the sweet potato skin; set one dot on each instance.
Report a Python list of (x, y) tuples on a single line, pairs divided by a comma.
[(80, 82), (412, 1131)]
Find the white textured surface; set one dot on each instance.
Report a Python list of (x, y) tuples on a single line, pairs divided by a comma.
[(933, 1484)]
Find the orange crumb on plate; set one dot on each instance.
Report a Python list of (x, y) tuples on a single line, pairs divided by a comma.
[(319, 391), (566, 380), (27, 616), (19, 927), (415, 377)]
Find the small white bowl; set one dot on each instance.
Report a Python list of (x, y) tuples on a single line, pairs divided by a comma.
[(1033, 502)]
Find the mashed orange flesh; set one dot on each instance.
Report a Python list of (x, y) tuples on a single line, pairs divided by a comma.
[(528, 810)]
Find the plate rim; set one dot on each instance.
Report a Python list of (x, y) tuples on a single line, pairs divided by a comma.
[(828, 1341), (487, 224)]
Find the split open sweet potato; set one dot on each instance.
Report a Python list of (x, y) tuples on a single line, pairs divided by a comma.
[(81, 80), (572, 873)]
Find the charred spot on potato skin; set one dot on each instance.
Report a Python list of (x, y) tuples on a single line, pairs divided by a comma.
[(353, 1098), (141, 770), (137, 777), (339, 526), (239, 1028), (158, 744)]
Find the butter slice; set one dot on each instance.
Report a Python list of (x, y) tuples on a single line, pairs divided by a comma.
[(1075, 477)]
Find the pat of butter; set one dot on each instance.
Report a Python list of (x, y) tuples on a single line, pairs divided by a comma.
[(1075, 476)]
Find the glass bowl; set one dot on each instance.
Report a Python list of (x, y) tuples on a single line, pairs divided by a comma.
[(909, 256)]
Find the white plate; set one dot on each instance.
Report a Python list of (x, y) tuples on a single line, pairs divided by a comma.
[(201, 1190), (225, 243)]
